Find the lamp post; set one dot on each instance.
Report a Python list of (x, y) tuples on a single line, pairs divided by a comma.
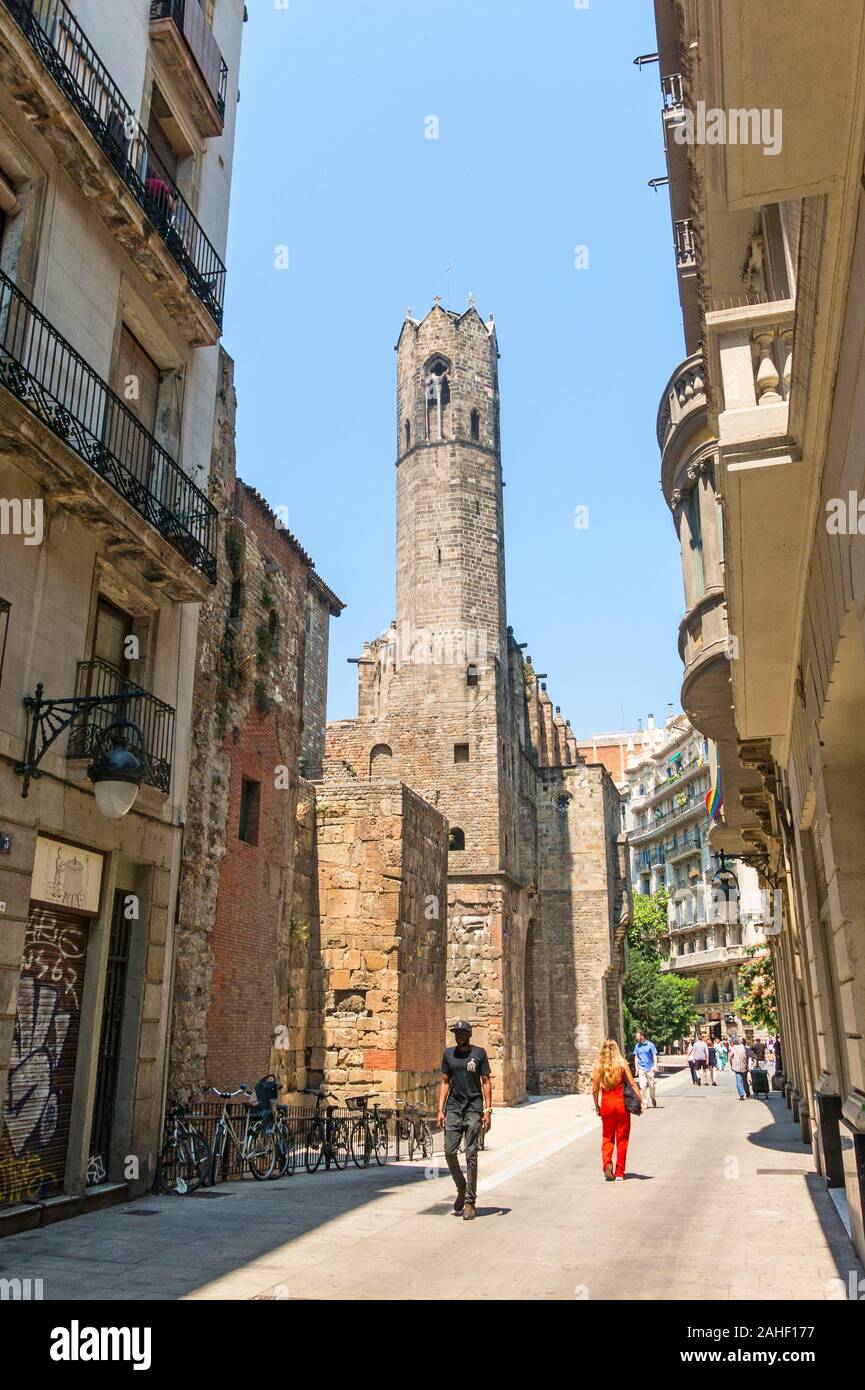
[(119, 763)]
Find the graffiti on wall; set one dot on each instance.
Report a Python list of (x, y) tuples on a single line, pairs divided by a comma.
[(41, 1064)]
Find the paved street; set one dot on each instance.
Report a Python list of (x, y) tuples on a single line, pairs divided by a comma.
[(720, 1202)]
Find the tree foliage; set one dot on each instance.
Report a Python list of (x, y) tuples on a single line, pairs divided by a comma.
[(661, 1004), (756, 1004)]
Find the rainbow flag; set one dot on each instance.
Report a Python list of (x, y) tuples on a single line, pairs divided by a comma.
[(715, 796)]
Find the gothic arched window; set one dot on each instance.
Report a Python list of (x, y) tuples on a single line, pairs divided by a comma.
[(438, 398), (456, 839)]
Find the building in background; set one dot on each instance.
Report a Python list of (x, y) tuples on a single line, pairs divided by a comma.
[(536, 881), (116, 139), (668, 823), (763, 469)]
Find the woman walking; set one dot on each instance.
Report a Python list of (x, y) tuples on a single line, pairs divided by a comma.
[(609, 1075)]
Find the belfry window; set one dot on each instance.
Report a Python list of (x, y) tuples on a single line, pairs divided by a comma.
[(456, 840), (476, 424), (438, 399), (472, 675), (408, 434)]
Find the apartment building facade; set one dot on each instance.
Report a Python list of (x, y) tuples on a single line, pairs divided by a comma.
[(712, 923), (116, 139), (760, 431)]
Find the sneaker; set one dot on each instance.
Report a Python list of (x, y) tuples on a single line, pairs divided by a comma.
[(621, 1179), (459, 1203), (741, 1097), (608, 1172), (469, 1213)]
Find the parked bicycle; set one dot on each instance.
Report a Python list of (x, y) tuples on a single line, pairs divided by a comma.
[(255, 1148), (420, 1135), (326, 1137), (368, 1134), (184, 1163)]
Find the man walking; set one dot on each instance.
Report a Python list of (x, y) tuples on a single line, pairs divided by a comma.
[(645, 1057), (465, 1107), (739, 1067), (699, 1055)]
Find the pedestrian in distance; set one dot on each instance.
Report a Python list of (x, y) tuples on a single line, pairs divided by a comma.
[(739, 1061), (645, 1061), (711, 1062), (610, 1075), (692, 1065), (721, 1051), (465, 1109)]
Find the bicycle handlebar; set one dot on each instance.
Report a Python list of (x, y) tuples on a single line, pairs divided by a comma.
[(229, 1095)]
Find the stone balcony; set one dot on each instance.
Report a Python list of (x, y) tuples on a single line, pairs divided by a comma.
[(717, 955), (681, 412)]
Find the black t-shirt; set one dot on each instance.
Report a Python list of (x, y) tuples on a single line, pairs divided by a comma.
[(464, 1071)]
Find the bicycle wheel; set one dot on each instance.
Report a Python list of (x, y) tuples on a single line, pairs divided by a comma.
[(380, 1143), (359, 1144), (412, 1139), (167, 1167), (340, 1141), (261, 1149), (314, 1145), (426, 1140), (217, 1156), (286, 1157), (193, 1160)]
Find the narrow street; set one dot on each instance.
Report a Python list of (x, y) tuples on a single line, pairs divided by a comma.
[(721, 1202)]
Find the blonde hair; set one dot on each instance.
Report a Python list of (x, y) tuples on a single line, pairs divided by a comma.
[(609, 1068)]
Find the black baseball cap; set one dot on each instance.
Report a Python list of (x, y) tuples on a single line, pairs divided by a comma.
[(462, 1025)]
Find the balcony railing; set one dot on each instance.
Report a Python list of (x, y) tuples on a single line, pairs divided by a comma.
[(686, 250), (672, 90), (154, 719), (43, 371), (62, 46), (190, 20)]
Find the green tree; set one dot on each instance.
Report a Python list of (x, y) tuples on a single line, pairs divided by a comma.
[(756, 1004), (659, 1003)]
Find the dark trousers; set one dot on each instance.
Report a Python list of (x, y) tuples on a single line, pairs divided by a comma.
[(457, 1125)]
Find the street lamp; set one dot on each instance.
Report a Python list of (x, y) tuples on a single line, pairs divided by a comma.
[(116, 770)]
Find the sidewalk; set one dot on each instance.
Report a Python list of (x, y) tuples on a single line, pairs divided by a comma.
[(721, 1201)]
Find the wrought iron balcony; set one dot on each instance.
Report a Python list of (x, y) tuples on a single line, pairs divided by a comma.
[(673, 92), (686, 247), (64, 49), (45, 373), (154, 719), (181, 31)]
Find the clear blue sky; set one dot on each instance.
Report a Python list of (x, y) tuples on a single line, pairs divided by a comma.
[(547, 137)]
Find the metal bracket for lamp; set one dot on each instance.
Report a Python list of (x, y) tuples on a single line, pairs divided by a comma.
[(760, 862), (50, 718)]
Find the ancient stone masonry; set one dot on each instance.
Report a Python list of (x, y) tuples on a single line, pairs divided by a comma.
[(537, 895), (382, 860), (247, 971)]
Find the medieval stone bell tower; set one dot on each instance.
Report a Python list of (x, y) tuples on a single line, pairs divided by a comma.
[(450, 530)]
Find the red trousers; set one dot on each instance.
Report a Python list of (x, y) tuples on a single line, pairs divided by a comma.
[(616, 1121)]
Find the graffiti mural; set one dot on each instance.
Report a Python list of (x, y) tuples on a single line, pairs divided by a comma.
[(42, 1062)]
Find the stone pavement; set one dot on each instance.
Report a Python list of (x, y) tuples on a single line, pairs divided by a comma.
[(721, 1201)]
